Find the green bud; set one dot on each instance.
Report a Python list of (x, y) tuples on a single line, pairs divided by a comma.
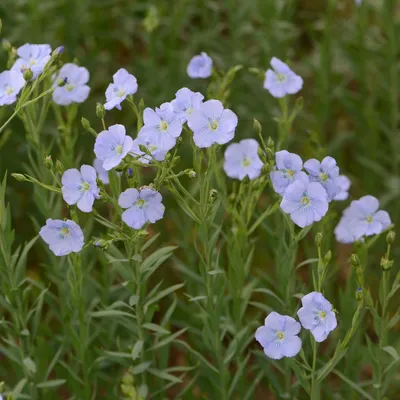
[(143, 148), (152, 19), (48, 162), (143, 233), (59, 167), (100, 111), (359, 294), (257, 126), (85, 123), (2, 387), (1, 25), (328, 257), (386, 264), (271, 144), (355, 261), (101, 243), (390, 237), (270, 154), (213, 193), (27, 74), (128, 379), (62, 82), (266, 169), (190, 173), (19, 177), (318, 239), (6, 45), (10, 397)]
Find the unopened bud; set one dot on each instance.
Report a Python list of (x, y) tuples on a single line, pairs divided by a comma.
[(48, 162), (386, 264), (143, 148), (27, 74), (270, 154), (390, 237), (190, 173), (59, 167), (85, 123), (62, 82), (213, 193), (270, 143), (359, 294), (100, 111), (328, 257), (101, 243), (6, 45), (128, 379), (318, 239), (59, 50), (143, 233), (355, 261), (257, 126), (19, 177), (2, 387)]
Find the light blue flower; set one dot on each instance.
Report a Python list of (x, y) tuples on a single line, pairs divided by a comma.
[(102, 174), (147, 141), (142, 206), (185, 102), (112, 146), (63, 237), (361, 218), (200, 66), (288, 169), (278, 336), (317, 316), (11, 83), (211, 123), (80, 188), (75, 90), (241, 159), (161, 127), (305, 202), (358, 2), (32, 56), (344, 184), (326, 173), (281, 80), (124, 84)]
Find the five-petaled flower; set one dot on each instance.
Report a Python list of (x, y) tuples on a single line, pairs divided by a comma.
[(124, 84), (317, 316), (326, 173), (112, 146), (278, 336), (63, 237), (360, 219), (211, 123), (80, 188), (200, 66), (344, 184), (142, 206), (148, 142), (241, 160), (185, 102), (161, 126), (305, 202), (32, 56), (288, 169), (75, 89), (281, 80), (11, 83)]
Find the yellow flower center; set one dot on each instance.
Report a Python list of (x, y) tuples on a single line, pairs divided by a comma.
[(246, 162), (118, 149), (163, 126), (85, 187), (281, 77), (290, 173), (369, 219), (280, 335), (189, 110), (323, 177), (322, 314), (9, 90), (32, 61), (213, 125), (305, 201), (120, 93), (70, 87), (65, 231), (140, 203)]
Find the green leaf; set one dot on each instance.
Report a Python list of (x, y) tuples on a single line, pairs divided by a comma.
[(137, 349), (168, 340), (51, 384), (30, 365), (162, 294), (155, 328), (140, 368), (110, 313), (164, 375), (392, 351)]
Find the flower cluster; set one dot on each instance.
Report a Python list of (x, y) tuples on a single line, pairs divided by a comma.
[(278, 336)]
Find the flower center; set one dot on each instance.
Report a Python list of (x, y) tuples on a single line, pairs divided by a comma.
[(322, 314), (120, 93), (281, 77), (213, 125), (64, 232), (189, 110), (70, 87), (323, 177), (369, 219), (163, 126), (118, 148), (32, 62), (85, 187), (9, 90), (305, 201), (290, 173), (280, 335), (140, 203), (246, 162)]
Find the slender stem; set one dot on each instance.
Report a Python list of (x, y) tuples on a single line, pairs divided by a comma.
[(315, 390)]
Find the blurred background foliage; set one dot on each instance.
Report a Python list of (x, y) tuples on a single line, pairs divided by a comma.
[(349, 58)]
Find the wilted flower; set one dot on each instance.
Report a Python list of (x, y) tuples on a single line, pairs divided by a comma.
[(317, 316), (287, 170), (326, 173), (124, 84), (200, 66), (241, 159), (80, 188), (32, 56), (63, 237), (161, 127), (305, 202), (281, 80), (211, 123), (278, 336), (112, 146), (75, 90), (185, 102), (102, 174), (148, 142), (142, 206), (11, 83), (360, 219), (344, 184)]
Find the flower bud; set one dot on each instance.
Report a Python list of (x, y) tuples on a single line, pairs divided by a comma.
[(355, 261), (386, 264), (143, 148), (59, 50), (62, 82), (270, 154), (257, 126), (59, 167), (19, 177), (101, 243), (128, 379), (390, 237), (27, 74), (271, 144), (213, 193), (100, 111), (318, 239), (359, 294), (2, 387), (328, 257), (48, 162), (190, 173), (143, 233), (6, 45), (85, 123)]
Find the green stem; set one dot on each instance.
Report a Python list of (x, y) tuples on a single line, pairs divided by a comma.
[(315, 390)]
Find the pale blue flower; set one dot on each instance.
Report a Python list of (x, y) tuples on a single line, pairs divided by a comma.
[(241, 159), (200, 66), (358, 2), (287, 170), (281, 80), (361, 218), (305, 202), (161, 126), (63, 237), (124, 84), (344, 184), (326, 173), (102, 174), (80, 188), (211, 123), (11, 83), (112, 146), (185, 102), (149, 142), (278, 336), (32, 56), (75, 90), (142, 205), (317, 316)]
